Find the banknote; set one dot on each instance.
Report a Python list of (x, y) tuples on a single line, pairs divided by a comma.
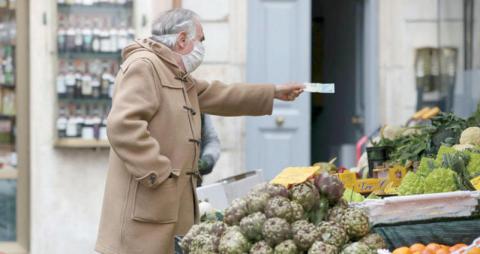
[(319, 87)]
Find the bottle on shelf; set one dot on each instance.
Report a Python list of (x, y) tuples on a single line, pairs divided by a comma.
[(88, 2), (61, 35), (70, 36), (78, 36), (61, 83), (113, 36), (122, 40), (80, 119), (72, 130), (87, 90), (105, 84), (96, 46), (8, 68), (87, 34), (88, 130), (96, 121), (78, 81), (62, 123), (105, 44), (70, 81), (96, 87)]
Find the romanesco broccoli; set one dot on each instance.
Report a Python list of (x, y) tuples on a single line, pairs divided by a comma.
[(411, 184), (441, 180)]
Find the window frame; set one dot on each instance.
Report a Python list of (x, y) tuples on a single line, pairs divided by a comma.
[(22, 139)]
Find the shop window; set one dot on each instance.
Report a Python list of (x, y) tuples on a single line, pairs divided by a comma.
[(14, 209)]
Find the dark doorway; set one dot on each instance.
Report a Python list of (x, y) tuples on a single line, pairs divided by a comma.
[(337, 120)]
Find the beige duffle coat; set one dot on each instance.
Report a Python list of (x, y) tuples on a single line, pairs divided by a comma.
[(154, 131)]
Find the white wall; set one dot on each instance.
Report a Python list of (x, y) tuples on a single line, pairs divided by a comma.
[(404, 26), (67, 185)]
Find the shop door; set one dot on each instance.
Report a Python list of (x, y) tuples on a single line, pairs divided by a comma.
[(278, 51)]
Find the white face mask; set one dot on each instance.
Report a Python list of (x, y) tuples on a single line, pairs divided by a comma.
[(193, 59)]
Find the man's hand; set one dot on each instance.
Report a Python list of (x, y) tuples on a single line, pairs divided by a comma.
[(288, 92)]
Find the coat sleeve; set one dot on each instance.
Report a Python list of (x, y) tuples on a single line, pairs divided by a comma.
[(135, 101), (218, 98)]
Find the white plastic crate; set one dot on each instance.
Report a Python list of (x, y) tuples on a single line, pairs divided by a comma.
[(421, 207), (223, 192)]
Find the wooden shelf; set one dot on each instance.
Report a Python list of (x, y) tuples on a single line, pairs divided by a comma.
[(81, 143), (8, 172), (91, 55)]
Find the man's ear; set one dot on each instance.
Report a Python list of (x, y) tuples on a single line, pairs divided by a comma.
[(182, 40)]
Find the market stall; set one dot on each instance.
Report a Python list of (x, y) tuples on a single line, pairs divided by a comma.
[(416, 191)]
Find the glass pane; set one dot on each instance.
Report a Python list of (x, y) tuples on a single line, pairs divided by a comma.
[(8, 161), (90, 37), (8, 191)]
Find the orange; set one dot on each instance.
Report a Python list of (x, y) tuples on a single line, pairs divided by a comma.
[(417, 247), (427, 251), (474, 250), (442, 251), (457, 247), (402, 250), (433, 246)]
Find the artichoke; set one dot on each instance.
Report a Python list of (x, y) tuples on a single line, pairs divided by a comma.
[(336, 212), (412, 184), (319, 247), (276, 190), (333, 234), (233, 242), (251, 226), (235, 212), (286, 247), (374, 241), (358, 248), (329, 186), (297, 225), (261, 247), (355, 222), (279, 207), (297, 211), (304, 235), (276, 230), (441, 180), (256, 202), (203, 244), (213, 229), (306, 194)]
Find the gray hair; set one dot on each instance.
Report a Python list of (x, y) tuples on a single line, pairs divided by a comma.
[(169, 24)]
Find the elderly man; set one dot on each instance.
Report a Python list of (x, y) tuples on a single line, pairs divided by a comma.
[(154, 131)]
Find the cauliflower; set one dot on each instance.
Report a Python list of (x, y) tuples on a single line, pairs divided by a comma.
[(412, 184), (441, 180), (426, 166), (462, 148), (391, 132), (470, 136)]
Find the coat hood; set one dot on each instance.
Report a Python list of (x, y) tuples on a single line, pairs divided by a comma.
[(162, 51)]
